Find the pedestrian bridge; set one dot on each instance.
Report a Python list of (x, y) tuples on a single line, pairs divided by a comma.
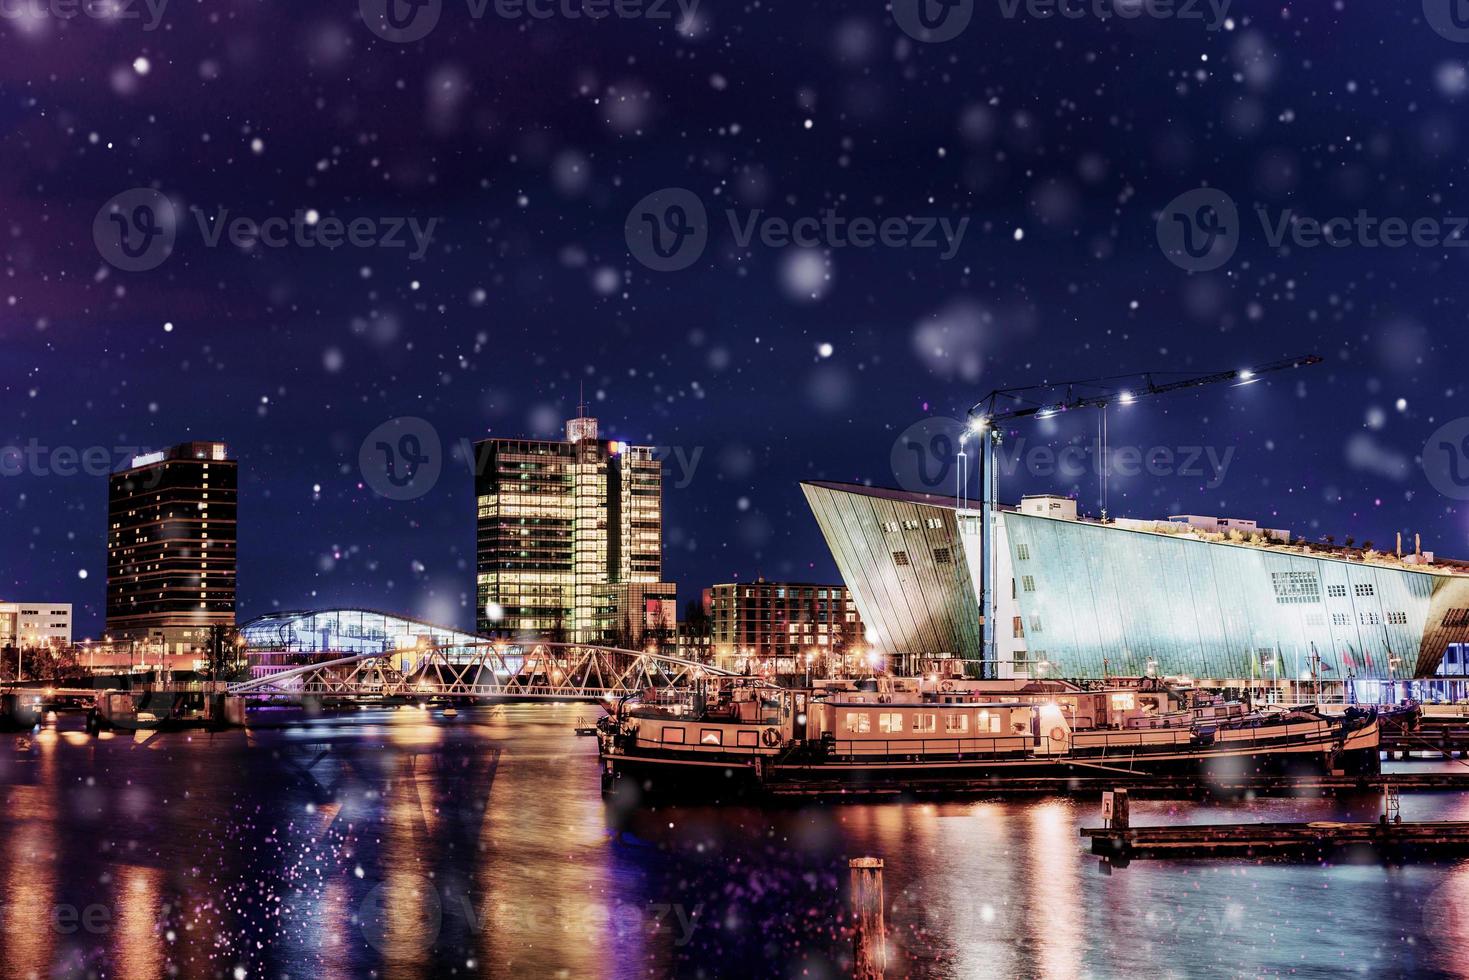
[(500, 671)]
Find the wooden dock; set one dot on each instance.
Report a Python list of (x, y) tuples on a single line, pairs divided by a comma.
[(1318, 839)]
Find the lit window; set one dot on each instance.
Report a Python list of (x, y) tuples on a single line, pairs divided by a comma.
[(890, 722), (711, 736), (956, 724), (859, 722), (925, 721)]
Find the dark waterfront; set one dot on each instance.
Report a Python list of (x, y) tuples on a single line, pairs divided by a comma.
[(390, 843)]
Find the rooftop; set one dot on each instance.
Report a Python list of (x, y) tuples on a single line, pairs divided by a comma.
[(1259, 539)]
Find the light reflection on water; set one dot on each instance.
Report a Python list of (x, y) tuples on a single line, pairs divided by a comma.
[(401, 842)]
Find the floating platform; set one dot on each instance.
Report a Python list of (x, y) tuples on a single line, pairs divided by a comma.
[(1317, 839)]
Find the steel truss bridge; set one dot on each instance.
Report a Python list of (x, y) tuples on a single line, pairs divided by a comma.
[(514, 672)]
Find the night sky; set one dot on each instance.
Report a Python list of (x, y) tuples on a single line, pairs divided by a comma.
[(529, 141)]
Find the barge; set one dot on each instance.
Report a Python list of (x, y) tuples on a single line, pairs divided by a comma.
[(735, 737)]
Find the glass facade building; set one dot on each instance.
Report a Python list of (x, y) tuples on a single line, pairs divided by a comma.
[(280, 641), (1103, 598), (560, 524), (1082, 599)]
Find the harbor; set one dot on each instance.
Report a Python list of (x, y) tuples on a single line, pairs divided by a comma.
[(354, 825)]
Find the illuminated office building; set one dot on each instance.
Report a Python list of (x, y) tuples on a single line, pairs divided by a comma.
[(561, 524), (171, 547)]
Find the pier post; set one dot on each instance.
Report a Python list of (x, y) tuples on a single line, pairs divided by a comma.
[(869, 939), (1114, 809)]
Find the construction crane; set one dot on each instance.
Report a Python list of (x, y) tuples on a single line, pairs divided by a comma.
[(987, 417)]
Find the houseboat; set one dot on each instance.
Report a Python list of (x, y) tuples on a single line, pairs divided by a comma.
[(734, 736)]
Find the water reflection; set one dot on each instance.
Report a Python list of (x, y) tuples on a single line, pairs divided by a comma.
[(408, 845)]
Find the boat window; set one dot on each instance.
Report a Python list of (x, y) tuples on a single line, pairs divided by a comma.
[(890, 722), (748, 740), (1123, 702), (711, 736), (859, 721), (925, 721), (956, 723), (988, 722), (675, 735)]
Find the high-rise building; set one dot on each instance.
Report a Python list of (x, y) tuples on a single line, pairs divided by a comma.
[(171, 547), (561, 523), (783, 621), (35, 624)]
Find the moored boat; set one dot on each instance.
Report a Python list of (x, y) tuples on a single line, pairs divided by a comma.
[(741, 735)]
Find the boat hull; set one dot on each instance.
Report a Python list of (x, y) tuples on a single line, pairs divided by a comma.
[(669, 775)]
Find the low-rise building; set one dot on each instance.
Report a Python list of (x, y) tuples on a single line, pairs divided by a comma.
[(784, 623), (35, 624)]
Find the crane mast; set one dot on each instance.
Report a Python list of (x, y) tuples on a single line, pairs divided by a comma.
[(1047, 401)]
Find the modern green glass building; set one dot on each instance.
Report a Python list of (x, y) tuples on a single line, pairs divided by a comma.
[(1079, 598)]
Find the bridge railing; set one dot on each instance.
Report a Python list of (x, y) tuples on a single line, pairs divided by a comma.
[(563, 671)]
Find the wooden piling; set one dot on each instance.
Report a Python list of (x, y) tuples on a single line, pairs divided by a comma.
[(869, 939)]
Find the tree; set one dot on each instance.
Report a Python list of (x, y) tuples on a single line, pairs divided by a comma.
[(224, 652), (696, 621)]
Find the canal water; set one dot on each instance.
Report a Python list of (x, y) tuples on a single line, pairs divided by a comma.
[(403, 844)]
